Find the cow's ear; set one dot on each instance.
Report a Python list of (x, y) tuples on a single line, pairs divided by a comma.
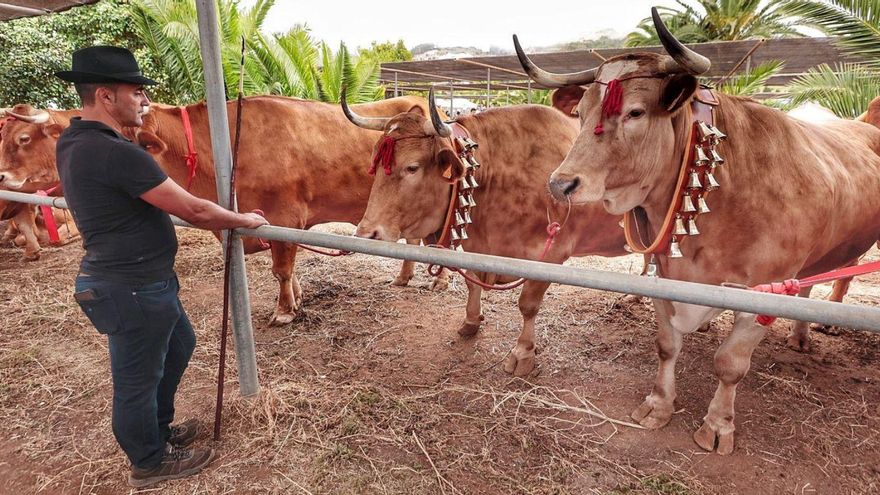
[(566, 99), (416, 109), (677, 91), (151, 142), (450, 165), (52, 130)]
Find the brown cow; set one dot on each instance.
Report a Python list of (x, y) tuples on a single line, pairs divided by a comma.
[(298, 163), (27, 227), (760, 229), (518, 148)]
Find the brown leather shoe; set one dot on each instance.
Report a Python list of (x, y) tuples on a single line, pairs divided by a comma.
[(184, 433), (176, 463)]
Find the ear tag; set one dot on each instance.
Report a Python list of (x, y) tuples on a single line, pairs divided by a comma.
[(447, 174)]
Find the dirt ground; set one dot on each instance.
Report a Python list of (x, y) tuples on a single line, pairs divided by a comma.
[(370, 390)]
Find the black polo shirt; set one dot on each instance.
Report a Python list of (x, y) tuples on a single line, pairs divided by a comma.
[(126, 239)]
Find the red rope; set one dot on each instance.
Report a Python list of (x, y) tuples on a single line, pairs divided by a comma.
[(552, 230), (384, 156), (792, 287), (49, 216), (191, 158)]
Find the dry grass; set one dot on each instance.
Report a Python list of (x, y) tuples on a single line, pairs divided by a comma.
[(369, 391)]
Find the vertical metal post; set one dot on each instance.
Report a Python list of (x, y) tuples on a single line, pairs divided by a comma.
[(488, 80), (209, 40), (529, 98), (451, 98), (396, 92)]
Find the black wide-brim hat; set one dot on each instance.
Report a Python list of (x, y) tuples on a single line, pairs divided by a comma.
[(104, 64)]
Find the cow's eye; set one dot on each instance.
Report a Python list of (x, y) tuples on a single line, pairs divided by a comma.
[(24, 139), (411, 169), (636, 113)]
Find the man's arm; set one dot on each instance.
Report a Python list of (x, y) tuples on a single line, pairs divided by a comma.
[(173, 199)]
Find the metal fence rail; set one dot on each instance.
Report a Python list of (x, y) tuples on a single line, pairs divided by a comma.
[(829, 313)]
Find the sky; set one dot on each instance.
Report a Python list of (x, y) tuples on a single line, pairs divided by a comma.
[(478, 23)]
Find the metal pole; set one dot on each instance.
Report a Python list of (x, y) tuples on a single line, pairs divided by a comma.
[(797, 308), (209, 41), (488, 81), (451, 98), (396, 93)]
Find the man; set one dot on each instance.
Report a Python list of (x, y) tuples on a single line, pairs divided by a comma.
[(121, 201)]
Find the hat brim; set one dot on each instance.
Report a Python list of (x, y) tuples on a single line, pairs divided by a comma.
[(88, 77)]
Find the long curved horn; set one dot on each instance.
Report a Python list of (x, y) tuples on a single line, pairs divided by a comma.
[(373, 123), (688, 60), (550, 79), (40, 117), (439, 127)]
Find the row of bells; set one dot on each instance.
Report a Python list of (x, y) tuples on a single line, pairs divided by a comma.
[(705, 155), (467, 184)]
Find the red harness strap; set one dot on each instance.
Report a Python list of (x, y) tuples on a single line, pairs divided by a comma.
[(192, 158), (49, 216), (793, 286)]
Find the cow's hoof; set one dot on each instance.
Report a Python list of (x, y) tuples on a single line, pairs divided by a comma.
[(652, 414), (468, 329), (440, 284), (279, 318), (520, 362), (31, 256), (705, 438), (800, 343), (401, 281)]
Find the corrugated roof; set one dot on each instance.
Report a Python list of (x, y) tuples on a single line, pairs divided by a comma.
[(13, 9)]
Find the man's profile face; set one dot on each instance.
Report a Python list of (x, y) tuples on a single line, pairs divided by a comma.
[(126, 102)]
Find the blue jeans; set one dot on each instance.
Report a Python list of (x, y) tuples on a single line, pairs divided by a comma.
[(151, 341)]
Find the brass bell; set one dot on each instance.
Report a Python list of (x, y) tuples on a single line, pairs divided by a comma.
[(711, 183), (454, 234), (716, 158), (651, 269), (701, 158), (694, 183), (706, 131), (471, 201), (473, 161), (674, 250), (459, 248), (692, 227), (463, 233), (462, 201), (679, 226), (473, 181), (718, 134), (687, 204), (464, 184), (702, 207), (459, 220), (467, 217), (471, 144)]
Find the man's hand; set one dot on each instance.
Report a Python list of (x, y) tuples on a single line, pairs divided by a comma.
[(254, 220)]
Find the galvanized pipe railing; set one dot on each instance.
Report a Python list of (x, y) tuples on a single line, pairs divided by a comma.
[(829, 313)]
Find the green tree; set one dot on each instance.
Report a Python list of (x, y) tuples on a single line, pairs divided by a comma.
[(386, 52), (753, 81), (848, 88), (33, 49), (718, 20)]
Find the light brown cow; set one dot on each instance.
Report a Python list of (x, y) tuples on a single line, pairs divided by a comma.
[(518, 148), (796, 199), (299, 163), (27, 228)]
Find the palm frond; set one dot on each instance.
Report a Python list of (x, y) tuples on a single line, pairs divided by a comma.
[(846, 89), (754, 81)]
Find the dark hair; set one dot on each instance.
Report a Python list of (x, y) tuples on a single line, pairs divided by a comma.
[(86, 91)]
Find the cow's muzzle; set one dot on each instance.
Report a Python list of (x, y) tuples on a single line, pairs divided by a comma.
[(562, 187)]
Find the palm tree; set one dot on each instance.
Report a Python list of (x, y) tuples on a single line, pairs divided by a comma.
[(717, 20), (847, 88), (752, 82), (282, 64)]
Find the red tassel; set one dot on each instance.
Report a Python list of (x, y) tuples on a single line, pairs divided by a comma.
[(612, 104), (384, 155)]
